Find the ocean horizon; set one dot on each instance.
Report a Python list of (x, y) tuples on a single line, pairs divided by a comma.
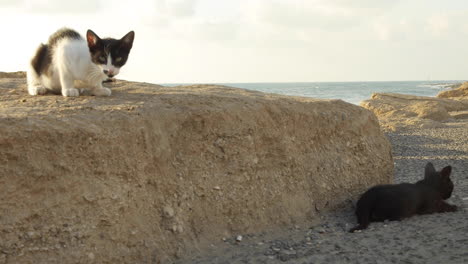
[(352, 92)]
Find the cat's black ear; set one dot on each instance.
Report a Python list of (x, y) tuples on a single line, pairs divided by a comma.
[(445, 172), (429, 170), (92, 38), (127, 40)]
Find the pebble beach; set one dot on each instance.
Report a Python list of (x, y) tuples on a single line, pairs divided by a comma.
[(436, 238)]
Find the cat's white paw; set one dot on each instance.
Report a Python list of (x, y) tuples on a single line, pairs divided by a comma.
[(102, 92), (37, 90), (70, 92)]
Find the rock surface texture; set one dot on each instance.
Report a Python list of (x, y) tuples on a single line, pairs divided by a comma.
[(400, 111), (461, 91), (152, 173)]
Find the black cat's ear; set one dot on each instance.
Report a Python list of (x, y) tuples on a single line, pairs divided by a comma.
[(429, 170), (127, 40), (445, 172), (92, 38)]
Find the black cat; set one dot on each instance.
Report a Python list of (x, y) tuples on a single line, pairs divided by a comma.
[(398, 201)]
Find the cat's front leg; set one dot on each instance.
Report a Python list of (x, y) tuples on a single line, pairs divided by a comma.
[(35, 86), (446, 207), (67, 85), (99, 90)]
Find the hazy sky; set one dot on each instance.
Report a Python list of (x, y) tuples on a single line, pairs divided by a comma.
[(180, 41)]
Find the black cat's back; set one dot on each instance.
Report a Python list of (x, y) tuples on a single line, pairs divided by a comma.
[(381, 202), (393, 202)]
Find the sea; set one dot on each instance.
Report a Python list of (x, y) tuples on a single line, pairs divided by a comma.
[(352, 92)]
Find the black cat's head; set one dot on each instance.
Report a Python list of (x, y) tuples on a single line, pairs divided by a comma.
[(439, 179), (109, 54)]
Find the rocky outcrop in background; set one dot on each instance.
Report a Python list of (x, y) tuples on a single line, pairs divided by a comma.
[(153, 172), (400, 111), (459, 92)]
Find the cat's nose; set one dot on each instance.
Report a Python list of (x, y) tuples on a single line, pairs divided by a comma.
[(109, 73)]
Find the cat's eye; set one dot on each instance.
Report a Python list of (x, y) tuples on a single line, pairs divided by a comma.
[(118, 59), (102, 59)]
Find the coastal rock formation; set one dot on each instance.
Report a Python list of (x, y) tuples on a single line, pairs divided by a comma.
[(151, 172), (460, 92), (397, 111)]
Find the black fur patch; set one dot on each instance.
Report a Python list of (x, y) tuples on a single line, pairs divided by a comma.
[(41, 60), (119, 49), (61, 34)]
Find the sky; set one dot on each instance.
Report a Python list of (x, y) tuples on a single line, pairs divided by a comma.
[(222, 41)]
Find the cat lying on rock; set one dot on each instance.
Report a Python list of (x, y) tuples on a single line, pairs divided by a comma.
[(398, 201), (68, 58)]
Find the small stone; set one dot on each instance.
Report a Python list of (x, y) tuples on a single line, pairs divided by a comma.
[(276, 249), (239, 238), (168, 212), (289, 252), (180, 228), (217, 188), (91, 255)]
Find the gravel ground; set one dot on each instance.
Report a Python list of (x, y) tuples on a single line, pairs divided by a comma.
[(436, 238)]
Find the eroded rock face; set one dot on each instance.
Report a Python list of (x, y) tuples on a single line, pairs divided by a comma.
[(153, 172), (398, 111), (460, 92)]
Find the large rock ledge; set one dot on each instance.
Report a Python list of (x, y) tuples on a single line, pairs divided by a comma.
[(154, 172), (401, 111)]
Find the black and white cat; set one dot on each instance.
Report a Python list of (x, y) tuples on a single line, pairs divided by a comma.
[(68, 59)]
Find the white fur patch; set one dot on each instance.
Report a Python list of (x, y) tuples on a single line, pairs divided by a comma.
[(111, 69)]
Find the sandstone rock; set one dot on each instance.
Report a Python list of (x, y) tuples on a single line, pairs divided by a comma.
[(168, 211), (397, 111), (460, 91), (19, 74), (148, 146)]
